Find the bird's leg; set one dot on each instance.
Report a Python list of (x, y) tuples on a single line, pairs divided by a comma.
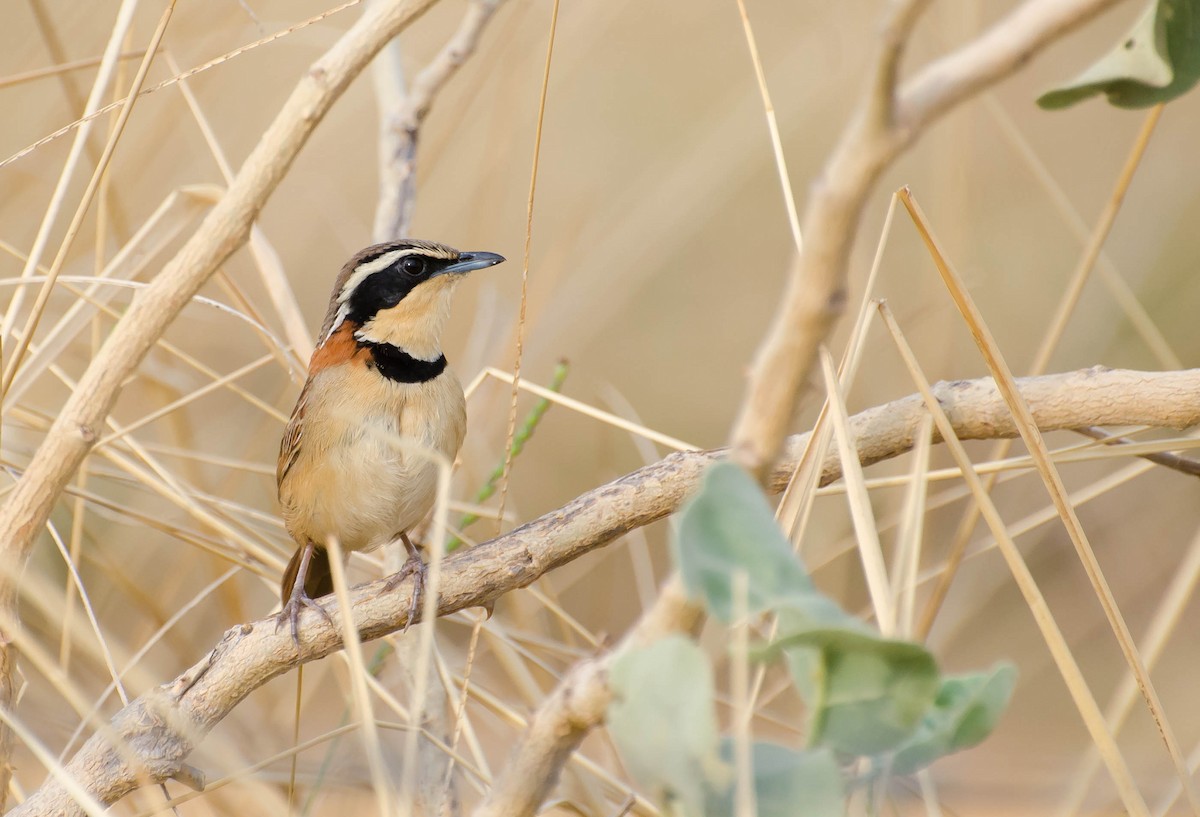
[(298, 599), (413, 566)]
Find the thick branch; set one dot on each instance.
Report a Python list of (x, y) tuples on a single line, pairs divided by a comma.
[(224, 230), (163, 726)]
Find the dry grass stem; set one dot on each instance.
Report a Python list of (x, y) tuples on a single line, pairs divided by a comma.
[(1032, 437), (866, 533), (1068, 667)]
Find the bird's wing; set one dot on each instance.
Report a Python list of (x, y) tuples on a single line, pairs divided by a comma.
[(334, 350), (289, 446)]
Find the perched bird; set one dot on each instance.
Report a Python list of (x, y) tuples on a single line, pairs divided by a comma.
[(377, 389)]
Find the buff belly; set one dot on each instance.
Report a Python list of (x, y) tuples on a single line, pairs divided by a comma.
[(362, 478)]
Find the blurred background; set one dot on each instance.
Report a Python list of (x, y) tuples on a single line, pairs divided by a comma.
[(659, 247)]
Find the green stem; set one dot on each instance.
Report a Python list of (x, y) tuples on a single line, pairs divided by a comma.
[(521, 436)]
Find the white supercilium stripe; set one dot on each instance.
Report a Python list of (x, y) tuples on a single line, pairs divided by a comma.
[(361, 272)]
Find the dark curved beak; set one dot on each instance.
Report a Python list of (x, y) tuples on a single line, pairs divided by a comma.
[(469, 261)]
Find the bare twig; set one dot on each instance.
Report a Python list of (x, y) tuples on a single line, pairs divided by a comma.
[(164, 726), (402, 113), (224, 230), (887, 123), (1175, 462)]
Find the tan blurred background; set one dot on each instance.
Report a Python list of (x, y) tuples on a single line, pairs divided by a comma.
[(660, 243)]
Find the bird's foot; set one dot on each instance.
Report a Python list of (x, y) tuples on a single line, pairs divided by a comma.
[(413, 566), (290, 612)]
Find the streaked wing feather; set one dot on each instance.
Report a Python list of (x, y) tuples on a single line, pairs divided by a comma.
[(289, 446)]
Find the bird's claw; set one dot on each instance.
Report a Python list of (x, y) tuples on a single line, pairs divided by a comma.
[(290, 612), (413, 566)]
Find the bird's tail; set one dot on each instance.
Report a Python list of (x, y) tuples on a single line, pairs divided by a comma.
[(318, 582)]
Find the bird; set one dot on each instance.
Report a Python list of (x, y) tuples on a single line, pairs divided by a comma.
[(378, 388)]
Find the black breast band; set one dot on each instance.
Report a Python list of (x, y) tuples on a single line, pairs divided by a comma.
[(396, 364)]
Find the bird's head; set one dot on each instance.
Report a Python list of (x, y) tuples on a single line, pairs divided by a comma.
[(398, 293)]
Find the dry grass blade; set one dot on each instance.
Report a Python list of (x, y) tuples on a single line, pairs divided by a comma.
[(211, 786), (61, 68), (518, 354), (866, 533), (82, 797), (794, 508), (107, 66), (45, 140), (589, 411), (380, 780), (35, 312), (1068, 301), (785, 180), (1157, 452), (1131, 798), (174, 214), (1120, 290), (1032, 437), (270, 268), (191, 397), (911, 532), (1099, 235), (1163, 624)]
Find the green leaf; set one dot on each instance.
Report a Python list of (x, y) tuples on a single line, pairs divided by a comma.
[(663, 721), (964, 713), (866, 694), (787, 783), (728, 527), (1158, 60)]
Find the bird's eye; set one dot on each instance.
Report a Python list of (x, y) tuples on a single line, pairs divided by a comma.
[(413, 265)]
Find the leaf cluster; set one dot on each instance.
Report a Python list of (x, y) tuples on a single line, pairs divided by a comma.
[(874, 705)]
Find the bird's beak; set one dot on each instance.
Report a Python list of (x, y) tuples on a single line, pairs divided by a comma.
[(469, 261)]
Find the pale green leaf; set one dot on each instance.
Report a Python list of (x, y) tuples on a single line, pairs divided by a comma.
[(728, 527), (1158, 60), (865, 694), (964, 713), (663, 721), (787, 783)]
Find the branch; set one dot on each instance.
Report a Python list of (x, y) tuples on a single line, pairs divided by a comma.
[(815, 292), (976, 410), (224, 230), (1001, 51), (164, 726), (402, 114)]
